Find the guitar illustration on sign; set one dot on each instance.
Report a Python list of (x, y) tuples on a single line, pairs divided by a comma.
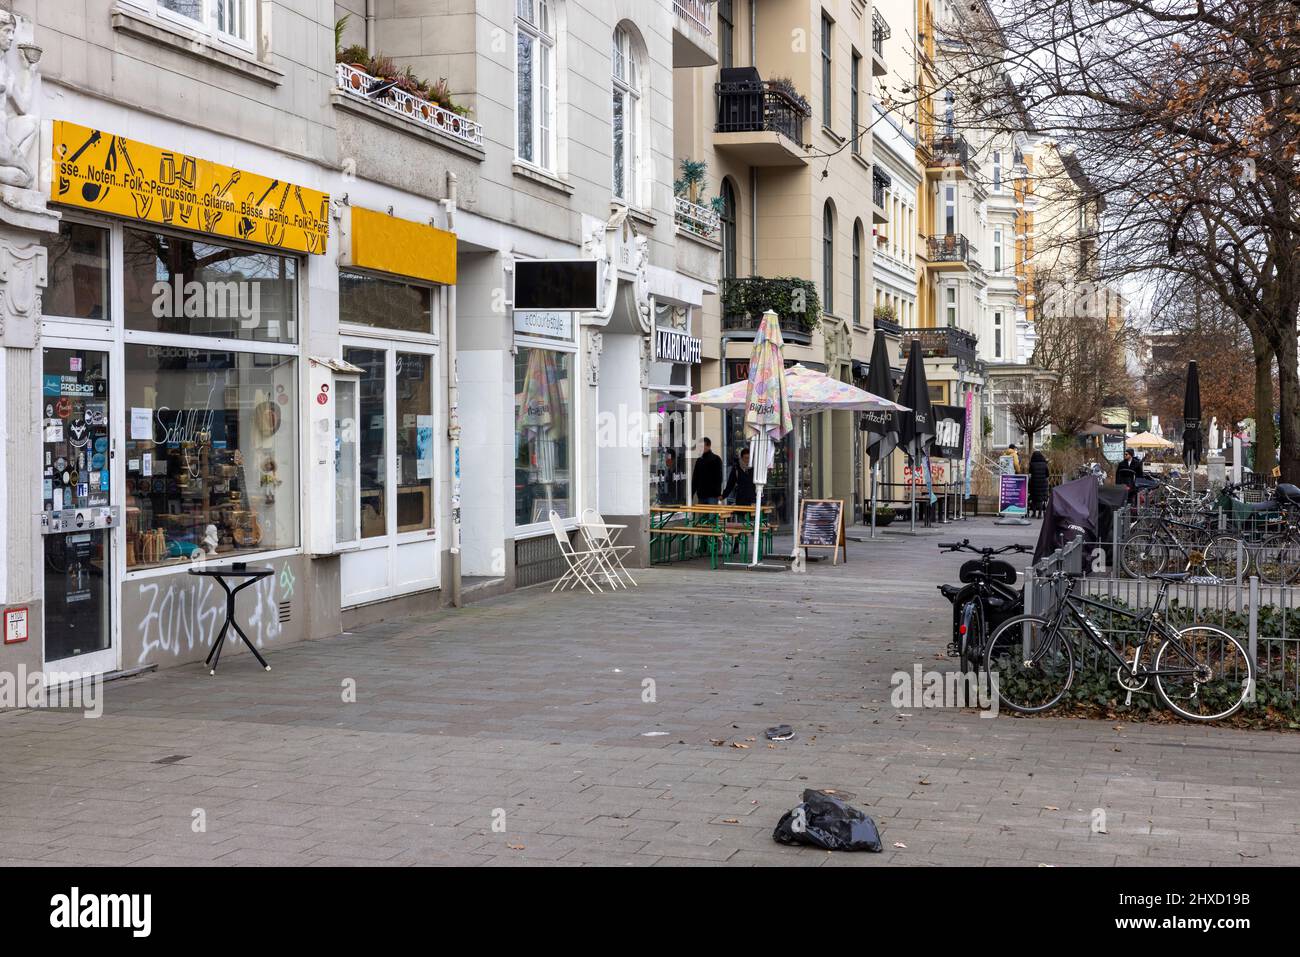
[(275, 228), (65, 184), (212, 215), (247, 226), (143, 201)]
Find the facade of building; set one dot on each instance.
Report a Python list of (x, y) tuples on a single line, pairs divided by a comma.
[(261, 305)]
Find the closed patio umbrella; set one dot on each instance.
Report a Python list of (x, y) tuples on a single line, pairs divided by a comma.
[(767, 407), (1192, 445), (916, 427), (881, 427)]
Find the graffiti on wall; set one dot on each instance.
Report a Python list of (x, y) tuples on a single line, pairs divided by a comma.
[(182, 613)]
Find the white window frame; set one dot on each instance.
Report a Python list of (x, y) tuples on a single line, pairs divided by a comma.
[(541, 32), (950, 223), (999, 334), (206, 25), (625, 77), (538, 529), (997, 252), (950, 306), (997, 171)]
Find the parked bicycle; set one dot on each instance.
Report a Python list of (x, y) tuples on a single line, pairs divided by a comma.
[(1167, 544), (986, 597), (1201, 672), (1277, 557)]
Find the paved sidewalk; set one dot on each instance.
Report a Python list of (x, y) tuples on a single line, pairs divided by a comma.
[(529, 709)]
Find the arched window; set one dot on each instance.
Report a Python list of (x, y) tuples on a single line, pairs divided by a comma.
[(535, 33), (626, 115), (828, 258), (857, 272), (730, 234)]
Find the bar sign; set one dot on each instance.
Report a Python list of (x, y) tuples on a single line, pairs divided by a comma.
[(674, 346)]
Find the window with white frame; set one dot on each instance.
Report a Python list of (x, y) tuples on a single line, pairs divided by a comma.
[(231, 21), (997, 171), (950, 305), (950, 210), (997, 251), (626, 116), (535, 82), (997, 334)]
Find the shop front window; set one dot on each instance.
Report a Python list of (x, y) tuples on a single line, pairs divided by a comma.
[(414, 427), (543, 431), (178, 285), (211, 453), (78, 272), (385, 303)]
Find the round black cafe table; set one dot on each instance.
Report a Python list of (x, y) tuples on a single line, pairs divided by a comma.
[(224, 574)]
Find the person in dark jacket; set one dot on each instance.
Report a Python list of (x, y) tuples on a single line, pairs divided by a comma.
[(1039, 483), (1128, 472), (706, 478), (741, 482)]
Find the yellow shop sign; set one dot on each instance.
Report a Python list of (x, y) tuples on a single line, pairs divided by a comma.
[(96, 170)]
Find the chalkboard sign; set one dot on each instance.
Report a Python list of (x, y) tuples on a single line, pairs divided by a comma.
[(821, 525)]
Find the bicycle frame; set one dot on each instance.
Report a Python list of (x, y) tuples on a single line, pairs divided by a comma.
[(1075, 606)]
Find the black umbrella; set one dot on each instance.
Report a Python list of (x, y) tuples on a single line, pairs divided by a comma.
[(881, 428), (1192, 446), (915, 428)]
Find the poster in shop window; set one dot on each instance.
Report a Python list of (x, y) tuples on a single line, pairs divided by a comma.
[(99, 171)]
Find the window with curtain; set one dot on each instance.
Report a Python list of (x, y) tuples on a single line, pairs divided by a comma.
[(535, 82), (857, 273), (828, 258), (726, 34), (730, 235), (627, 97)]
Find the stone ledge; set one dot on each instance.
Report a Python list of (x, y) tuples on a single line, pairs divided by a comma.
[(402, 124), (540, 177), (138, 25)]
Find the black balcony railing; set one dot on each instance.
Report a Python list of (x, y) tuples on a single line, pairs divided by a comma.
[(880, 182), (748, 104), (944, 342), (795, 302), (879, 32), (948, 248), (949, 149)]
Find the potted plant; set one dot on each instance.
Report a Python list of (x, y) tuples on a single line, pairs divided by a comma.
[(884, 515), (884, 313)]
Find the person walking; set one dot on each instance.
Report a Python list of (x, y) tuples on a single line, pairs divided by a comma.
[(1039, 483), (706, 478), (741, 482)]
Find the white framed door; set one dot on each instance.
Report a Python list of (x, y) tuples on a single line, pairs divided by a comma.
[(81, 563), (393, 452)]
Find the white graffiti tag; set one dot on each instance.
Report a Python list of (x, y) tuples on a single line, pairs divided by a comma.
[(185, 614)]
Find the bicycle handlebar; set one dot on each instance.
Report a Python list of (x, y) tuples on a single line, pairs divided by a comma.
[(965, 546)]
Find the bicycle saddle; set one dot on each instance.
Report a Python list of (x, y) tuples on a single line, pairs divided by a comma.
[(950, 591)]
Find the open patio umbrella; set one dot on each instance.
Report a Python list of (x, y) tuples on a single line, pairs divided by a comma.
[(1148, 440), (767, 407), (881, 427), (808, 392), (1192, 446), (916, 427)]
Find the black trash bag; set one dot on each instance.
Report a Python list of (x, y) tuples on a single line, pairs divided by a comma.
[(823, 820)]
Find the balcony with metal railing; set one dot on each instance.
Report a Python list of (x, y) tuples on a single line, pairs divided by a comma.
[(795, 301), (760, 121), (880, 182), (950, 251), (944, 342), (879, 34), (949, 152), (693, 41), (383, 94), (694, 218)]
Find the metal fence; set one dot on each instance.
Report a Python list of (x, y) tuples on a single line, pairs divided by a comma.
[(1266, 617)]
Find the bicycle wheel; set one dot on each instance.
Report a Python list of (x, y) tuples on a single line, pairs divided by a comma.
[(1277, 560), (1142, 556), (1033, 670), (1223, 556), (1219, 678)]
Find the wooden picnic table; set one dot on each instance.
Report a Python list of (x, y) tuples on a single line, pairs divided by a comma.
[(706, 526)]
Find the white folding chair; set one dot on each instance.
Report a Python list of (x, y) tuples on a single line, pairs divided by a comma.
[(601, 537), (580, 562)]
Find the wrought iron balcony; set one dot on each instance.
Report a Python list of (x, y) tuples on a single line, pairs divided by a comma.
[(695, 218), (795, 301), (949, 248), (747, 104), (950, 151), (879, 32), (943, 342), (880, 182)]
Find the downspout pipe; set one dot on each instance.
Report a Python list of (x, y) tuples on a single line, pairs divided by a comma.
[(453, 410), (370, 27)]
